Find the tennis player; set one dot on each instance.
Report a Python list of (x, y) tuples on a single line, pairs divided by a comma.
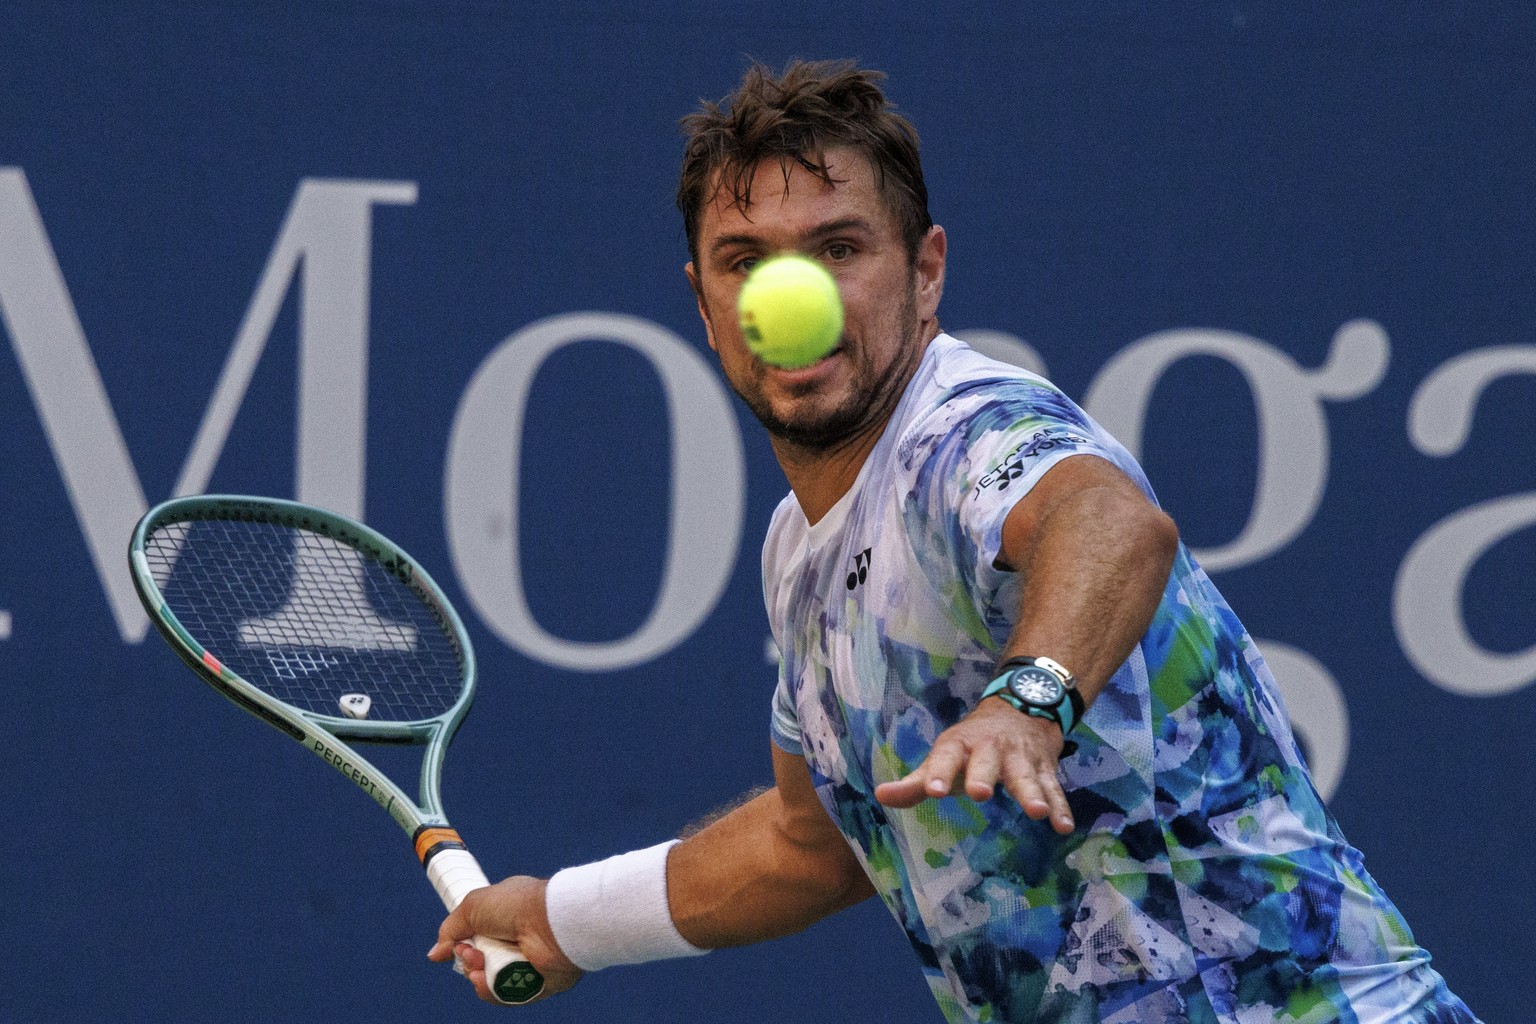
[(1010, 704)]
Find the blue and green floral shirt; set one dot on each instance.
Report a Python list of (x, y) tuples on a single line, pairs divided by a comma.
[(1206, 881)]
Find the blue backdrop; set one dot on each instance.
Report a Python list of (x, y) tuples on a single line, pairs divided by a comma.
[(418, 261)]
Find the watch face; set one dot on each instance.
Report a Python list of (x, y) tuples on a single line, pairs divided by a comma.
[(1036, 686)]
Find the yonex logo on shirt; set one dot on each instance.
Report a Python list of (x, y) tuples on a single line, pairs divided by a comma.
[(860, 569)]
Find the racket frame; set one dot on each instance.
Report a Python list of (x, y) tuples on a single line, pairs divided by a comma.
[(317, 731), (449, 865)]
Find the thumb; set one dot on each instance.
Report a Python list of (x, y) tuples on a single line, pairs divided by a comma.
[(904, 792)]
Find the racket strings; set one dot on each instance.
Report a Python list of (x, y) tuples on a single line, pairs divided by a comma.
[(308, 618)]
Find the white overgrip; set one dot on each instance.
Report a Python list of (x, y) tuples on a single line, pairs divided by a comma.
[(455, 873)]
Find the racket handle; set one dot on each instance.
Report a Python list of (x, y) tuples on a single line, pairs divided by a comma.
[(512, 978), (455, 873)]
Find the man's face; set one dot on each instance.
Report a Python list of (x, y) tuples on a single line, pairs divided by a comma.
[(890, 302)]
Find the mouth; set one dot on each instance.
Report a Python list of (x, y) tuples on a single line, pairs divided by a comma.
[(806, 374)]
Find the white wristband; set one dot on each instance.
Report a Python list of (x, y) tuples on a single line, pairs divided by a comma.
[(615, 911)]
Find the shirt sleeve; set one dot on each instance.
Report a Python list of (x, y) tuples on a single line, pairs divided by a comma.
[(981, 453), (784, 723)]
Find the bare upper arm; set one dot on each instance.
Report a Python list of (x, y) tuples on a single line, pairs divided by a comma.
[(808, 828), (802, 816), (1088, 485)]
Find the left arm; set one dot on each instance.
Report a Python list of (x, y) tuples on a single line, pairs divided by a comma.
[(1094, 556)]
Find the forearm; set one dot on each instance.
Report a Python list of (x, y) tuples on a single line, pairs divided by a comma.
[(753, 875), (1095, 562)]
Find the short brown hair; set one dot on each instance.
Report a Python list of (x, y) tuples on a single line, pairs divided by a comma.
[(796, 116)]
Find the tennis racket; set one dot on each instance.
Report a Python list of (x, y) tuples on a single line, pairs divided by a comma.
[(327, 631)]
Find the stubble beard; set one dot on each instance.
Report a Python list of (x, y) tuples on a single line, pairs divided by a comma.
[(872, 394)]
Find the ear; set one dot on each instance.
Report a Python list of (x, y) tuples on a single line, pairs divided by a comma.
[(698, 296), (929, 272)]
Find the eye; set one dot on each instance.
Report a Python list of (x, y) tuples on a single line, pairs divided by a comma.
[(745, 264), (838, 251)]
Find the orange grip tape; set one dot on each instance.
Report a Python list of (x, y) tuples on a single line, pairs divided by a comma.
[(429, 838)]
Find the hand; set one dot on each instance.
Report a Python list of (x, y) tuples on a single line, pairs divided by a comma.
[(511, 910), (994, 743)]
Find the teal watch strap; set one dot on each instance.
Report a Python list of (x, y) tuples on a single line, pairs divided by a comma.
[(999, 687), (1065, 711)]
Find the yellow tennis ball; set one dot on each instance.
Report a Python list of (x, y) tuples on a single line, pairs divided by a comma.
[(791, 312)]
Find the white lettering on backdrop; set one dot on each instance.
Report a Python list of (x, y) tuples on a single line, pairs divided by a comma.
[(1427, 599), (708, 493), (327, 232), (1292, 478), (1293, 471)]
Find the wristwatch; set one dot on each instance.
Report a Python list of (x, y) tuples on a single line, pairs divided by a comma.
[(1039, 687)]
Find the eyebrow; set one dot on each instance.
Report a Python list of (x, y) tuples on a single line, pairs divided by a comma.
[(834, 227)]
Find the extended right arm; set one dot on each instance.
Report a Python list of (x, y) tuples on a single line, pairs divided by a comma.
[(773, 866)]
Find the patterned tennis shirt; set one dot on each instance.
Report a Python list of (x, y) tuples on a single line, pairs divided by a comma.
[(1206, 881)]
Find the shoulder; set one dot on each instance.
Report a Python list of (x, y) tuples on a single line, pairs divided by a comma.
[(967, 396), (785, 536)]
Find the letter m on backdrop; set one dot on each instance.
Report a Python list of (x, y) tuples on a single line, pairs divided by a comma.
[(327, 232)]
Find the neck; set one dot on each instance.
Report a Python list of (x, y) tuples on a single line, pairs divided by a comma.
[(821, 476)]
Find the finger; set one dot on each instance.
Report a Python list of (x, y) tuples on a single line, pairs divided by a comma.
[(455, 928), (934, 777), (981, 772), (1022, 781), (1061, 811), (470, 962), (1038, 790), (907, 792), (472, 959), (443, 950), (482, 987), (941, 767)]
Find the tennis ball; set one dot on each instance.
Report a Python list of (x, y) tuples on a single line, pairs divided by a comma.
[(791, 313)]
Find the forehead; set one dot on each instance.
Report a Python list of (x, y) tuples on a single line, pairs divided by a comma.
[(788, 201)]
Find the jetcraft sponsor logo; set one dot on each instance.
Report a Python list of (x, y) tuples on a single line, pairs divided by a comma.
[(1012, 466)]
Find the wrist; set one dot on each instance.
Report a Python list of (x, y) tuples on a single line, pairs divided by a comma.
[(559, 960), (1039, 687), (616, 911)]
